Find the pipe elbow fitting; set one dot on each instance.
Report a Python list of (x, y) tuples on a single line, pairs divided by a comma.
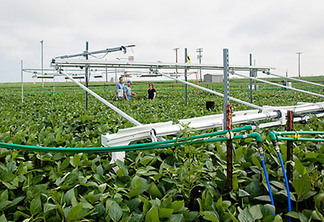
[(248, 127), (257, 136), (273, 136)]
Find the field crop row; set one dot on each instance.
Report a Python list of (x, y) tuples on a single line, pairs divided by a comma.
[(187, 183)]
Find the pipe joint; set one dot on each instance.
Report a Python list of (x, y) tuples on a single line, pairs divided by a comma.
[(257, 136), (273, 136)]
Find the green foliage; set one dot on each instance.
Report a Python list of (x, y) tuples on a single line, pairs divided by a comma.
[(187, 183)]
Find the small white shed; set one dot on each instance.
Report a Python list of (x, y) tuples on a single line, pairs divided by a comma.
[(213, 78)]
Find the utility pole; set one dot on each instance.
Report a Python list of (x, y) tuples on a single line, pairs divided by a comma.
[(199, 51), (176, 51), (251, 75), (185, 75), (86, 75), (42, 60), (298, 53), (22, 80)]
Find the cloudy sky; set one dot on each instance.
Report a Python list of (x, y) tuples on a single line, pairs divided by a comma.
[(273, 31)]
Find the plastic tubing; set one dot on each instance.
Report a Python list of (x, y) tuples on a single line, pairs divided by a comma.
[(153, 145), (299, 139), (265, 171), (267, 179), (285, 175), (274, 135), (146, 146), (258, 138), (298, 132)]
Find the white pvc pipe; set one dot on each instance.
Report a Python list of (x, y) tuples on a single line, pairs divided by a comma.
[(299, 80), (275, 84), (129, 118), (213, 92)]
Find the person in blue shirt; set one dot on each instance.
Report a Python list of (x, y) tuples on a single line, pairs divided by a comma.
[(120, 88), (127, 91)]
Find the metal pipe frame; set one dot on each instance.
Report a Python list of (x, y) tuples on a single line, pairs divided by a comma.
[(275, 84), (59, 63)]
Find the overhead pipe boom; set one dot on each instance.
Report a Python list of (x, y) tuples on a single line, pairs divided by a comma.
[(121, 48), (120, 112), (294, 79), (213, 92), (275, 84), (276, 115), (57, 63)]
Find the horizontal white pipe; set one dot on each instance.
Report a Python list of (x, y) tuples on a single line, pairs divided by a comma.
[(275, 84), (299, 80), (213, 92), (57, 63), (129, 118), (125, 136)]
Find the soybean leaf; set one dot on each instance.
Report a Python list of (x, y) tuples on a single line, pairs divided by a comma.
[(35, 205), (245, 216), (152, 215), (115, 212), (256, 212), (302, 185), (165, 212), (211, 216), (75, 212)]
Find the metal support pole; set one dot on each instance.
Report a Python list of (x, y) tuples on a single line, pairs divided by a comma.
[(251, 79), (86, 75), (290, 144), (229, 145), (226, 84), (185, 75), (22, 81)]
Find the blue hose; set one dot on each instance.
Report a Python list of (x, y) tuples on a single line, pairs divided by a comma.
[(267, 179), (286, 181)]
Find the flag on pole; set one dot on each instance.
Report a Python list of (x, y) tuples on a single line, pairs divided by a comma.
[(188, 60)]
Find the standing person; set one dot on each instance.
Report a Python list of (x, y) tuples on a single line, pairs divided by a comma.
[(151, 93), (120, 88), (127, 91)]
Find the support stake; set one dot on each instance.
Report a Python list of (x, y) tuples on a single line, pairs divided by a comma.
[(226, 84), (290, 144)]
